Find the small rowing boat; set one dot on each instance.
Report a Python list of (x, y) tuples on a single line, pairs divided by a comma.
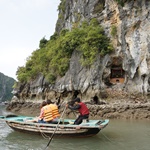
[(65, 127)]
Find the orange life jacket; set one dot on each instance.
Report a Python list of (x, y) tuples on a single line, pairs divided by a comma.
[(55, 111), (48, 116)]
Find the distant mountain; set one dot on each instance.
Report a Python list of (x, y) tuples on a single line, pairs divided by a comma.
[(6, 84)]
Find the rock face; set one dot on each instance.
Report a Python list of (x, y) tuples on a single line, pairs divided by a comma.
[(6, 84), (123, 74), (116, 110)]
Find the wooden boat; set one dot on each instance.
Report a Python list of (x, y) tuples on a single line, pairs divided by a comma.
[(63, 128)]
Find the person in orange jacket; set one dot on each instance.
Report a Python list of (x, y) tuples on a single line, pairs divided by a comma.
[(41, 116), (54, 111)]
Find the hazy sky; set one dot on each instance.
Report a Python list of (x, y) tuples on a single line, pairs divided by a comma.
[(23, 24)]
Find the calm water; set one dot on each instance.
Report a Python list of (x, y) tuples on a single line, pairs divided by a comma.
[(118, 135)]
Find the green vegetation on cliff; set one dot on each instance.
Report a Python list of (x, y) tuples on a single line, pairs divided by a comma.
[(53, 56)]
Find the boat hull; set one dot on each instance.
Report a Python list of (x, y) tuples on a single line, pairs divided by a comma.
[(69, 132), (86, 129)]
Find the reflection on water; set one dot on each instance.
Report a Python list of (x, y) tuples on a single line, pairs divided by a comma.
[(118, 135)]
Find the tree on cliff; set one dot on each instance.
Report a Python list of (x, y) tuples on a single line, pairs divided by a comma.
[(53, 56)]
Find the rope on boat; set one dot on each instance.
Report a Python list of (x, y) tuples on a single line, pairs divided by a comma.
[(55, 128), (43, 134), (112, 142), (106, 137)]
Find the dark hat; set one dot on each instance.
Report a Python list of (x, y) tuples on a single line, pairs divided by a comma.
[(48, 101), (77, 100)]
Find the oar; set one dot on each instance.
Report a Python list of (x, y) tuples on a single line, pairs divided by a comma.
[(74, 113), (55, 128)]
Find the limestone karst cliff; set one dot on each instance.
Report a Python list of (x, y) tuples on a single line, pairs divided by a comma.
[(124, 73), (6, 87)]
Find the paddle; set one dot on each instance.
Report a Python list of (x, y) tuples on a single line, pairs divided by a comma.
[(55, 128)]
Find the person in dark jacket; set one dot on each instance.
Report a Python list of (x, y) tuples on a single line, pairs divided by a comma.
[(82, 108)]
